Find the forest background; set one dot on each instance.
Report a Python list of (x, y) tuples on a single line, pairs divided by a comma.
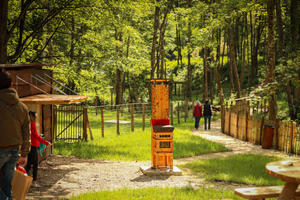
[(112, 48)]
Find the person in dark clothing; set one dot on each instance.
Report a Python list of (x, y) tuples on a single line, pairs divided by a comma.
[(197, 114), (207, 114), (35, 143), (14, 134)]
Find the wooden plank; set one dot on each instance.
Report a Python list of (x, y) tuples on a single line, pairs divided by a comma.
[(102, 122), (132, 117), (85, 123), (52, 99), (143, 114), (118, 119), (261, 192), (178, 113)]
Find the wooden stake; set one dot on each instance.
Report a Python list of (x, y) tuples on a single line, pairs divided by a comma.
[(88, 123), (178, 113), (291, 137), (85, 123), (102, 121), (132, 117), (118, 125), (143, 111)]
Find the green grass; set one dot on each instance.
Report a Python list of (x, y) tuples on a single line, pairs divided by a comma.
[(246, 168), (187, 193), (132, 146)]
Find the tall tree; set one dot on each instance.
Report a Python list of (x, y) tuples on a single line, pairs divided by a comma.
[(270, 68)]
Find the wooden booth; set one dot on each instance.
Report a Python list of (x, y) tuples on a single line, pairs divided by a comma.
[(34, 85)]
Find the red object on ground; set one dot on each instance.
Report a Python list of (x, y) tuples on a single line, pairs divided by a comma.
[(21, 169), (160, 122)]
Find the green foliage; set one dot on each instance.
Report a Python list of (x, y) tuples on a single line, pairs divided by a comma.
[(168, 193), (245, 168)]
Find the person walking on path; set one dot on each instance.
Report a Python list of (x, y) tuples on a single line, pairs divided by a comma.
[(197, 113), (35, 144), (14, 134), (207, 114)]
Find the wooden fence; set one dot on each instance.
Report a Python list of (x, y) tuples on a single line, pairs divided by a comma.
[(180, 110), (241, 125)]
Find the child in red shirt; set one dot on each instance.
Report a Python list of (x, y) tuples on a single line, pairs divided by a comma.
[(35, 143)]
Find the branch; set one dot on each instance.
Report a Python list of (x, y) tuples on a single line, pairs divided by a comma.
[(21, 16), (49, 39), (20, 49)]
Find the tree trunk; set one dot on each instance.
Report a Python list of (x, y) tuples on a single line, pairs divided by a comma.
[(270, 68), (205, 73), (218, 81), (3, 31), (154, 41), (233, 60), (162, 42), (189, 70)]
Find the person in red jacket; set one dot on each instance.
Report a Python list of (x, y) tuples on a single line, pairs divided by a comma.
[(35, 143), (197, 114)]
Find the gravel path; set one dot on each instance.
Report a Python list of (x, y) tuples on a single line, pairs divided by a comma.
[(63, 177)]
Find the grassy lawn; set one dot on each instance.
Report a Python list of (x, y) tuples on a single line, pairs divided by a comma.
[(132, 146), (246, 168), (160, 194)]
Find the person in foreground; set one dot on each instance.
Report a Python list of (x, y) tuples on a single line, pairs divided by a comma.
[(14, 134), (197, 113), (35, 144), (207, 114)]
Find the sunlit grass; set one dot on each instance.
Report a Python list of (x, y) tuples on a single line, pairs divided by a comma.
[(186, 193), (246, 168), (132, 146)]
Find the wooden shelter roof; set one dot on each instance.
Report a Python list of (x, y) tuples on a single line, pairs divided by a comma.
[(52, 99)]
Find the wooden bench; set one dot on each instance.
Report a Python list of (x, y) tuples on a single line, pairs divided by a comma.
[(261, 193)]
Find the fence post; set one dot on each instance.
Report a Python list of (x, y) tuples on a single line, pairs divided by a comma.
[(90, 130), (186, 109), (118, 125), (261, 130), (143, 111), (132, 117), (178, 113), (85, 123), (171, 104), (246, 124), (277, 134), (102, 122), (291, 137)]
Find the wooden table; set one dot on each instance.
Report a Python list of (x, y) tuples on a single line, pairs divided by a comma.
[(289, 172)]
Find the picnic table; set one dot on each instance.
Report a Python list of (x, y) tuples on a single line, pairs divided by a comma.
[(289, 172)]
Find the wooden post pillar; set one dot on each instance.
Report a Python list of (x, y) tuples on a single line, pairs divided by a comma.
[(102, 122), (118, 119), (178, 112), (85, 123), (143, 112), (132, 117)]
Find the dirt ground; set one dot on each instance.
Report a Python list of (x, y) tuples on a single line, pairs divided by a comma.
[(64, 177)]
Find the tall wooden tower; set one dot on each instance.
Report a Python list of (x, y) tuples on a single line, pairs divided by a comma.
[(161, 131)]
